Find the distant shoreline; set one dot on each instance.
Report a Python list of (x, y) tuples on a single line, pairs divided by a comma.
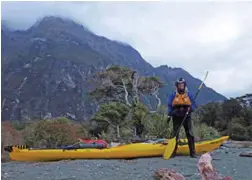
[(239, 144)]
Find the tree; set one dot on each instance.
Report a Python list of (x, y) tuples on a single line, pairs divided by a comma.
[(210, 114), (247, 114), (122, 84), (112, 115), (231, 108), (139, 114)]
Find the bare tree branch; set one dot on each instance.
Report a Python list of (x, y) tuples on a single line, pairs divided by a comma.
[(155, 94), (3, 103), (135, 78), (147, 99), (126, 95), (118, 131), (124, 84)]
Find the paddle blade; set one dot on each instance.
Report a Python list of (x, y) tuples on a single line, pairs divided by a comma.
[(170, 147)]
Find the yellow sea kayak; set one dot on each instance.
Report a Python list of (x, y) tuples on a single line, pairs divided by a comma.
[(135, 150)]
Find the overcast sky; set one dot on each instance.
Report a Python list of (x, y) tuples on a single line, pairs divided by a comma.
[(194, 36)]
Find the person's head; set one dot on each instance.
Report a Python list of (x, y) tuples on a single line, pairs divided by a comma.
[(181, 85)]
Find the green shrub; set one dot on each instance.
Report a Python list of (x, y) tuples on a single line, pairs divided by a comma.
[(108, 136), (204, 132), (156, 125), (239, 120), (53, 133), (237, 132), (28, 134), (126, 133), (249, 132), (112, 115)]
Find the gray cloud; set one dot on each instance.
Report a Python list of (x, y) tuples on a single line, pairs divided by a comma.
[(195, 36)]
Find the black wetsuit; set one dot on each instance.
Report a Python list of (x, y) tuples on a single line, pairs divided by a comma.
[(178, 113)]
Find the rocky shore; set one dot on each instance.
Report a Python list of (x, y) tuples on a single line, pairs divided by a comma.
[(226, 160)]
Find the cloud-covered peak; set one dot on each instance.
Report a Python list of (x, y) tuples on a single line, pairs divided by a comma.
[(194, 36)]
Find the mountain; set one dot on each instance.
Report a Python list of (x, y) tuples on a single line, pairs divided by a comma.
[(45, 70)]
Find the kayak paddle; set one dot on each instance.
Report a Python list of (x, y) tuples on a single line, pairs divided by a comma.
[(170, 147)]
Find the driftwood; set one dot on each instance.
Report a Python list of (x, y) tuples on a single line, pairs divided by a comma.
[(206, 169), (168, 174), (246, 154)]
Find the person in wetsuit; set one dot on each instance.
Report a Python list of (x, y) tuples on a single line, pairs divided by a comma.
[(179, 103)]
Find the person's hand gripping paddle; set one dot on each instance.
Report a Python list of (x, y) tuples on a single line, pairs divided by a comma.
[(170, 147)]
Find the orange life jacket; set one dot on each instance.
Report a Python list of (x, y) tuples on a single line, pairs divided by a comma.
[(181, 100)]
